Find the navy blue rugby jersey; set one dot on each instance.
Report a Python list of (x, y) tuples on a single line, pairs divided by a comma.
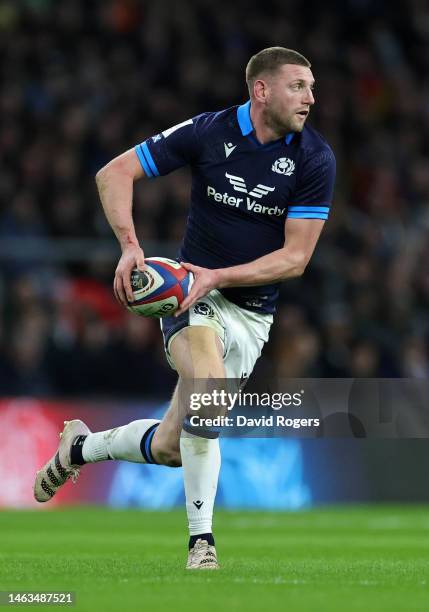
[(242, 190)]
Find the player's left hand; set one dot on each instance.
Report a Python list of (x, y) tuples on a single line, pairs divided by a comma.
[(204, 281)]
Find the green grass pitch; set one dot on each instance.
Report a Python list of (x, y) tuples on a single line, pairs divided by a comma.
[(346, 558)]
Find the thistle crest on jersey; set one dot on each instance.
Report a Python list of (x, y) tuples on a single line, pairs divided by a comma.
[(283, 165)]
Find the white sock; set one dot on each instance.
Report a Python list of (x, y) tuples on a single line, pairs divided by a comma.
[(201, 465), (119, 443)]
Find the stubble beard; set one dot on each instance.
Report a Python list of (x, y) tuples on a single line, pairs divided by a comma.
[(281, 126)]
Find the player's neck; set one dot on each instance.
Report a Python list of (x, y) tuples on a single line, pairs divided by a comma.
[(263, 131)]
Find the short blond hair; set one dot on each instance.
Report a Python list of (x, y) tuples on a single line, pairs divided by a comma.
[(269, 60)]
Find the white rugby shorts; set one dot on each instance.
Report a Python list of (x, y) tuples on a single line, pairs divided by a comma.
[(242, 332)]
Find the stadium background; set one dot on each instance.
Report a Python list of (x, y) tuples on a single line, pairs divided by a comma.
[(84, 81)]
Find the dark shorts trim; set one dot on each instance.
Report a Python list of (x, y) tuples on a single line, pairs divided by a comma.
[(171, 325)]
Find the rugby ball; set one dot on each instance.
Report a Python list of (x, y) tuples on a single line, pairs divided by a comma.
[(160, 289)]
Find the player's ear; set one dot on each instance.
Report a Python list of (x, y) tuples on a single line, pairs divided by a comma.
[(260, 90)]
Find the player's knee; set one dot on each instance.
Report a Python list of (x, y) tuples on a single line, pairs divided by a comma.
[(169, 456), (166, 452)]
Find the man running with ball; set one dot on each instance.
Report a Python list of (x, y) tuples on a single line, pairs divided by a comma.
[(262, 185)]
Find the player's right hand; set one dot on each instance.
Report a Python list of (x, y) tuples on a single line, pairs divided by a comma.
[(132, 257)]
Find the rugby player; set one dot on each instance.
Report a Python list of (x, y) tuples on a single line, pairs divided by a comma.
[(262, 185)]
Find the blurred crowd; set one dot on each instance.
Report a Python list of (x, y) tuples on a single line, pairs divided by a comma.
[(83, 81)]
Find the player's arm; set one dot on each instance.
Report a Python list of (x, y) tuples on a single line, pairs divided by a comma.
[(301, 236), (115, 186), (156, 156)]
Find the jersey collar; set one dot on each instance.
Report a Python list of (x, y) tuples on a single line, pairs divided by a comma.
[(245, 122)]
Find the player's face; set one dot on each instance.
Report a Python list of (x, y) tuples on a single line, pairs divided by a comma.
[(289, 98)]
